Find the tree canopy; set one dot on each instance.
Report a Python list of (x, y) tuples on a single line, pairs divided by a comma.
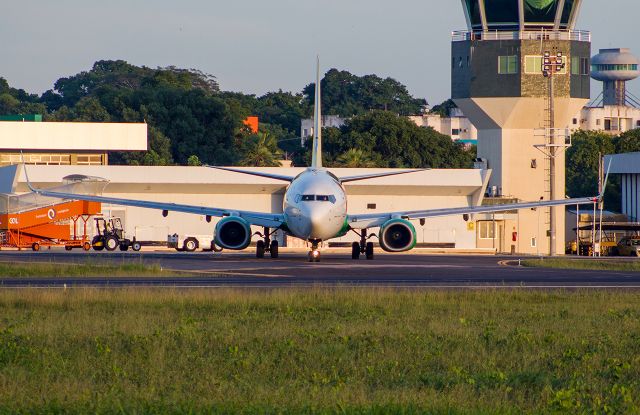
[(192, 121), (383, 139), (346, 95)]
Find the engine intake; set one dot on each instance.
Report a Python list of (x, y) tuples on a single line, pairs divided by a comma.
[(397, 235), (233, 233)]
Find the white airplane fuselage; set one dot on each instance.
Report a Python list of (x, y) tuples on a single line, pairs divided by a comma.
[(315, 206)]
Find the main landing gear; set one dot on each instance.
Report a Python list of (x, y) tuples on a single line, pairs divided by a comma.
[(314, 254), (266, 244), (362, 247)]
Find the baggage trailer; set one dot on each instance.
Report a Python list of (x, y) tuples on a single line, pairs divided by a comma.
[(50, 225)]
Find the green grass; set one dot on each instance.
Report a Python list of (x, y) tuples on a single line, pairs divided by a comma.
[(44, 269), (319, 351), (584, 263)]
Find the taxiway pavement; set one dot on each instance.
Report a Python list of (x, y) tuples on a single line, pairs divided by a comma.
[(293, 269)]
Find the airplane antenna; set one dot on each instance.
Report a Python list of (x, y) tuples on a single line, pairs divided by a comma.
[(316, 155)]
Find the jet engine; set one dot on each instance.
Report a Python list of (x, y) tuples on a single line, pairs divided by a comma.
[(397, 235), (232, 232)]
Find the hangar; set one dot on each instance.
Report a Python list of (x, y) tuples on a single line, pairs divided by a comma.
[(437, 188)]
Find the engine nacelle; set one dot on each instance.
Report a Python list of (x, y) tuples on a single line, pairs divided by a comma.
[(397, 235), (233, 232)]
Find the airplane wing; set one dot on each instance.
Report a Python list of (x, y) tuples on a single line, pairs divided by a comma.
[(372, 220), (272, 220)]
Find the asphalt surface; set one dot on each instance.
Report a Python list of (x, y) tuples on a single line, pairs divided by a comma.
[(293, 269)]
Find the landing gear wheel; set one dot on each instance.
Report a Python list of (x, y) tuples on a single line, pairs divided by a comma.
[(369, 250), (86, 246), (135, 245), (355, 250), (273, 249), (260, 249), (111, 243), (314, 256), (35, 246), (124, 247), (68, 248), (190, 244)]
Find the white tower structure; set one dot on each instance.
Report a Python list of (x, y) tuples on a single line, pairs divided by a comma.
[(520, 73)]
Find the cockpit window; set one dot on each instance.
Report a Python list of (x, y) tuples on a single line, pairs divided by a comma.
[(308, 198), (322, 198)]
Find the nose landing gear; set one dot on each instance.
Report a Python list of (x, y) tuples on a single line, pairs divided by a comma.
[(314, 254)]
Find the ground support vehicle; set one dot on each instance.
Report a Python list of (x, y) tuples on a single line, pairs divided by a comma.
[(189, 243), (629, 246), (50, 225), (111, 236)]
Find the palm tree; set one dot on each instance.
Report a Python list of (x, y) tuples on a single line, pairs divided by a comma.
[(354, 157), (263, 151)]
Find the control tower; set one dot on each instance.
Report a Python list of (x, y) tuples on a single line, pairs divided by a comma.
[(614, 67), (520, 72)]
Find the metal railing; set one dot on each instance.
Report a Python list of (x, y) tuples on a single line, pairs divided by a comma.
[(576, 35)]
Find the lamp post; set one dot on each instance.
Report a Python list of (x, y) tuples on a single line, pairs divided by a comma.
[(552, 63)]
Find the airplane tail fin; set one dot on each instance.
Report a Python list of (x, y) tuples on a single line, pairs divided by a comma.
[(316, 155)]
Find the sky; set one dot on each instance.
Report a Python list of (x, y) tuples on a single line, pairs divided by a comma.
[(256, 46)]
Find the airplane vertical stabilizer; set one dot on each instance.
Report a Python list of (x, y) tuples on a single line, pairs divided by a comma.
[(316, 156)]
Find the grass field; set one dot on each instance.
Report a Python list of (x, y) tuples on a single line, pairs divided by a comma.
[(584, 263), (82, 269), (319, 351)]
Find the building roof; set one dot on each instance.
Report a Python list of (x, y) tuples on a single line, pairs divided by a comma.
[(626, 163)]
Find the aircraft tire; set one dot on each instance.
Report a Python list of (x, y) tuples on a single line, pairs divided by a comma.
[(273, 249), (260, 249), (369, 250), (355, 250)]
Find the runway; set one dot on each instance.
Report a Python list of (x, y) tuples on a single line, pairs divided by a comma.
[(292, 269)]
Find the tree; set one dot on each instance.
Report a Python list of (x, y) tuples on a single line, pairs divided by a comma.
[(582, 165), (194, 161), (346, 95), (260, 150), (628, 142), (389, 140), (354, 157), (444, 109)]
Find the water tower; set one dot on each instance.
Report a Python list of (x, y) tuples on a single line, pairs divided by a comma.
[(614, 68), (520, 72)]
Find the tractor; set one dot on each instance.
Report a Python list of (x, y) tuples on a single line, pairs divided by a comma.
[(111, 236)]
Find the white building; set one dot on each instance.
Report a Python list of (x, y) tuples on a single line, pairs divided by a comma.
[(68, 142), (613, 119), (436, 188)]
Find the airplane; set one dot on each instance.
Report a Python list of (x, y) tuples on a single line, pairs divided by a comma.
[(314, 209)]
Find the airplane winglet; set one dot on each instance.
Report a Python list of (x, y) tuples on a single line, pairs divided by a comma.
[(26, 173), (604, 184)]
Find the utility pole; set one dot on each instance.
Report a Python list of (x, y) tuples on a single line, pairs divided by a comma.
[(551, 65)]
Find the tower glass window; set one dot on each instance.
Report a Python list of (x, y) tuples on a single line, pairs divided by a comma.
[(540, 11), (507, 65), (502, 13), (505, 14)]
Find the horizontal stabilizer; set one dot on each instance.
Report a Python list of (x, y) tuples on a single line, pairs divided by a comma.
[(348, 179), (255, 173)]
